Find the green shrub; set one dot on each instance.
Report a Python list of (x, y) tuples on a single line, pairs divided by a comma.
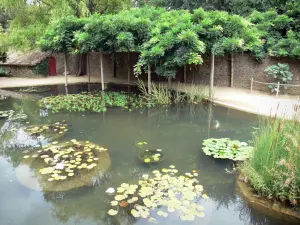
[(43, 67), (4, 72), (281, 72), (274, 167)]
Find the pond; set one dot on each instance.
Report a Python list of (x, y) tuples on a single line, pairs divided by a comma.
[(178, 130)]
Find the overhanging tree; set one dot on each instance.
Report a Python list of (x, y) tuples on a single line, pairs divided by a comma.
[(173, 44), (59, 38), (225, 33)]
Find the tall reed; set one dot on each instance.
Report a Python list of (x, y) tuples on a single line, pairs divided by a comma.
[(163, 93), (274, 168)]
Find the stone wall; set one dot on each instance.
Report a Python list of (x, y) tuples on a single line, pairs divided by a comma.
[(72, 63), (245, 68), (21, 71), (199, 74)]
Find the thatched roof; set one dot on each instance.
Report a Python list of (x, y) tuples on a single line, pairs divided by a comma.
[(25, 58)]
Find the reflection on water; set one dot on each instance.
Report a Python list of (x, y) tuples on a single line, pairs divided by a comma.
[(178, 130)]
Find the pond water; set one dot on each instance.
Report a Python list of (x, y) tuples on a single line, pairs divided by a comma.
[(178, 130)]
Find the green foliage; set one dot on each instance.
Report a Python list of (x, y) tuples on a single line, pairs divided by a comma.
[(30, 19), (173, 43), (226, 33), (96, 102), (274, 167), (60, 36), (281, 72), (224, 148), (43, 67), (281, 32), (4, 72), (125, 31)]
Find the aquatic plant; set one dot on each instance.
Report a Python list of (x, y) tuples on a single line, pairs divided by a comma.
[(19, 116), (151, 155), (53, 131), (35, 89), (6, 114), (11, 115), (224, 148), (163, 192), (62, 161), (160, 94), (94, 102), (274, 167), (163, 94)]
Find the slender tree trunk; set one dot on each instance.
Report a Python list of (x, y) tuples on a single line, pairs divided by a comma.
[(115, 65), (212, 73), (128, 67), (231, 70), (88, 67), (79, 65), (149, 78), (65, 65), (184, 74), (101, 69), (169, 81)]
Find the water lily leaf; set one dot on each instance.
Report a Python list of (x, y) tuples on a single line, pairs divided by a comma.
[(112, 212)]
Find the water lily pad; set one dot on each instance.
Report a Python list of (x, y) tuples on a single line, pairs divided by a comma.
[(50, 131), (33, 173), (225, 148), (112, 212), (165, 192)]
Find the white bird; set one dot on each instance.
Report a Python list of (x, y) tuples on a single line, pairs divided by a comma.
[(110, 190)]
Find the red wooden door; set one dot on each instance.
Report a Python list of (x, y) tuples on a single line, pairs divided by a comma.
[(52, 66)]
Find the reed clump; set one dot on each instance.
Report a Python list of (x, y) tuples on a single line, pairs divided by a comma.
[(164, 94), (274, 167)]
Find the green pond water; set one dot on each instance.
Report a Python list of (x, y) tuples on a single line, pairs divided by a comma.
[(177, 130)]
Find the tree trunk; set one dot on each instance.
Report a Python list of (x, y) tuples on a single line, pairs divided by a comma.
[(128, 67), (184, 74), (212, 73), (79, 65), (231, 70), (65, 65), (169, 81), (101, 69), (149, 78), (115, 66), (88, 67)]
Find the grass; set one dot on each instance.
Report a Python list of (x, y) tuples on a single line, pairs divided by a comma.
[(162, 94), (274, 167)]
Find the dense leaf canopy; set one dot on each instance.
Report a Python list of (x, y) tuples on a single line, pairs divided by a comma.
[(177, 34)]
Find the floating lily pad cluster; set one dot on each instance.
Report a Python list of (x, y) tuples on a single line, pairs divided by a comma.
[(48, 130), (94, 102), (35, 89), (62, 161), (6, 114), (11, 115), (225, 148), (149, 155), (164, 191)]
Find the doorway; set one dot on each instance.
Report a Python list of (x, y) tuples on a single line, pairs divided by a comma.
[(52, 66)]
